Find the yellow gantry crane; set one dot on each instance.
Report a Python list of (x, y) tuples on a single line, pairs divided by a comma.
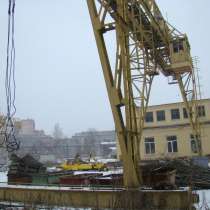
[(146, 45)]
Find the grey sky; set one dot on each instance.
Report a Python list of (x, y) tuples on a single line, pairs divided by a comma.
[(58, 73)]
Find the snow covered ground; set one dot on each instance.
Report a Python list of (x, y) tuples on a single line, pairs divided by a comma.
[(3, 177), (204, 197)]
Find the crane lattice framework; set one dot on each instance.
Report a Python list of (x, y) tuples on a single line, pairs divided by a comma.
[(146, 45)]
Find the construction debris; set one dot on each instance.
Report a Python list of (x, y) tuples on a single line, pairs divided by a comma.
[(21, 170), (162, 174), (190, 174), (159, 176), (187, 172)]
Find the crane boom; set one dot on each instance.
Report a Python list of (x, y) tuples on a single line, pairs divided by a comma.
[(146, 45)]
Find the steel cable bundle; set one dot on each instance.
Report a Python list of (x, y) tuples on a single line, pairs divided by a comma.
[(8, 128)]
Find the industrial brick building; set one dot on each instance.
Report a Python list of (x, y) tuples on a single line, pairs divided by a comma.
[(167, 132)]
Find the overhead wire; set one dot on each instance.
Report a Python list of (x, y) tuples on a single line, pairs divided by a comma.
[(9, 131)]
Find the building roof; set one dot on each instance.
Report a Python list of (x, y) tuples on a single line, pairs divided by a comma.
[(175, 103)]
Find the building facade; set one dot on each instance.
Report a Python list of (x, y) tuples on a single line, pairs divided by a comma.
[(27, 126), (98, 143), (167, 132)]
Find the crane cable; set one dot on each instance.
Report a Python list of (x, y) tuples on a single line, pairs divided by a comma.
[(10, 141)]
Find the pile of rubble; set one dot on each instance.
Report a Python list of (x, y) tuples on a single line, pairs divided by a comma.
[(186, 172), (22, 169), (190, 174)]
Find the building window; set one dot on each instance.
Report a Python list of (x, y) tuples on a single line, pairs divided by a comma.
[(172, 144), (201, 112), (185, 114), (178, 46), (150, 145), (161, 115), (175, 114), (193, 144), (149, 117)]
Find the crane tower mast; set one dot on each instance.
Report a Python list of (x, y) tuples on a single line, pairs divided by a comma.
[(146, 46)]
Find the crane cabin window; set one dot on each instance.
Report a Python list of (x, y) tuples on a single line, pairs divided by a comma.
[(178, 46), (113, 5)]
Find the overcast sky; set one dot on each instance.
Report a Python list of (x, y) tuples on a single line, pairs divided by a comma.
[(58, 73)]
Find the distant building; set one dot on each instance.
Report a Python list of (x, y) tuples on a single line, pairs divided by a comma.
[(46, 148), (97, 143), (47, 158), (168, 134), (35, 142), (32, 141), (27, 127)]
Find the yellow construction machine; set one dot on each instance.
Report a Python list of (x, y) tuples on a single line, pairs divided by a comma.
[(80, 165)]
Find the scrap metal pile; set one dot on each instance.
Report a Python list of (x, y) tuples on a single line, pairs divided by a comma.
[(21, 170), (190, 174), (160, 174), (187, 173)]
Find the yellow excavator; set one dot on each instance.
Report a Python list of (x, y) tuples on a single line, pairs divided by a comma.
[(80, 165)]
